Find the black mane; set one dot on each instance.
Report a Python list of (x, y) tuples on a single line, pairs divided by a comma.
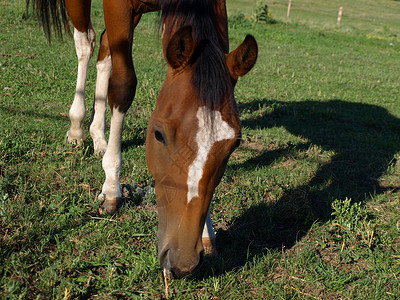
[(211, 75)]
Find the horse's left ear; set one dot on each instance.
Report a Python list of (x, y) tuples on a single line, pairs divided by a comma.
[(242, 59), (180, 47)]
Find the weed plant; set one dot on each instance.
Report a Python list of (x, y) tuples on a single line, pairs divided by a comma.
[(262, 14)]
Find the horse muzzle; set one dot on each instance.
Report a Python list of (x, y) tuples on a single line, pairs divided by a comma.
[(177, 264)]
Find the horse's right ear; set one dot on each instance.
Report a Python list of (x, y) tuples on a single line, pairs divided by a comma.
[(180, 48), (242, 59)]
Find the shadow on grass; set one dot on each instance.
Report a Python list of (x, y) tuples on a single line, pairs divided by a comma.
[(36, 115), (364, 139), (135, 141)]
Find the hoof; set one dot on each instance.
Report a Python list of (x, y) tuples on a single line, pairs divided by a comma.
[(100, 148), (210, 246), (75, 139), (99, 153), (111, 206)]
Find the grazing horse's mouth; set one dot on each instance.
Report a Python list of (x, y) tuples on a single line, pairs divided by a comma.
[(175, 272)]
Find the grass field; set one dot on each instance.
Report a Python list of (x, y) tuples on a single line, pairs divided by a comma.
[(308, 206), (373, 17)]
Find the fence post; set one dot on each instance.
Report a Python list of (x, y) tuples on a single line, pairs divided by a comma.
[(339, 18), (288, 9)]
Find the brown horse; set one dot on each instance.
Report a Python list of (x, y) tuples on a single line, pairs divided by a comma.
[(195, 125)]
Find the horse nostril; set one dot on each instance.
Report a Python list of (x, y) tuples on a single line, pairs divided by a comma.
[(165, 263), (165, 259)]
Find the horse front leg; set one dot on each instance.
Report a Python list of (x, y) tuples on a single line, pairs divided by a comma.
[(119, 22), (112, 164), (121, 92), (97, 125)]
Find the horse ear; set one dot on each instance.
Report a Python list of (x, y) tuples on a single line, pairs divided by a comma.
[(242, 59), (180, 48)]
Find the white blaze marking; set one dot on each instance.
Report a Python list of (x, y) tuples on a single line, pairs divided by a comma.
[(205, 139)]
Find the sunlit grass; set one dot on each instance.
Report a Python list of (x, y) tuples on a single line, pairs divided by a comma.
[(321, 134), (368, 16)]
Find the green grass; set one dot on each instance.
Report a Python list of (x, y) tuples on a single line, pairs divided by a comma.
[(378, 18), (308, 206)]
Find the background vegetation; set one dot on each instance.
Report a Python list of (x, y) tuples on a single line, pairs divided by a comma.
[(308, 206)]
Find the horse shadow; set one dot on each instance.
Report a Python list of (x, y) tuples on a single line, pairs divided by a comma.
[(363, 139)]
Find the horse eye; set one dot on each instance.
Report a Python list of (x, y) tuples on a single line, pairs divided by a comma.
[(159, 136)]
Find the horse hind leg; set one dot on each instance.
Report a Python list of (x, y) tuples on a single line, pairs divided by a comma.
[(97, 126), (84, 45)]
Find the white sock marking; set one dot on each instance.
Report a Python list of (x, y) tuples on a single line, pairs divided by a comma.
[(208, 231), (84, 45), (205, 139), (98, 122), (112, 160)]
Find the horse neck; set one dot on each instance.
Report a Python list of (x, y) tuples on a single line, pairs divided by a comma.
[(219, 19)]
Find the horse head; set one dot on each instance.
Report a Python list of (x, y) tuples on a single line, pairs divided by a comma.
[(191, 134)]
